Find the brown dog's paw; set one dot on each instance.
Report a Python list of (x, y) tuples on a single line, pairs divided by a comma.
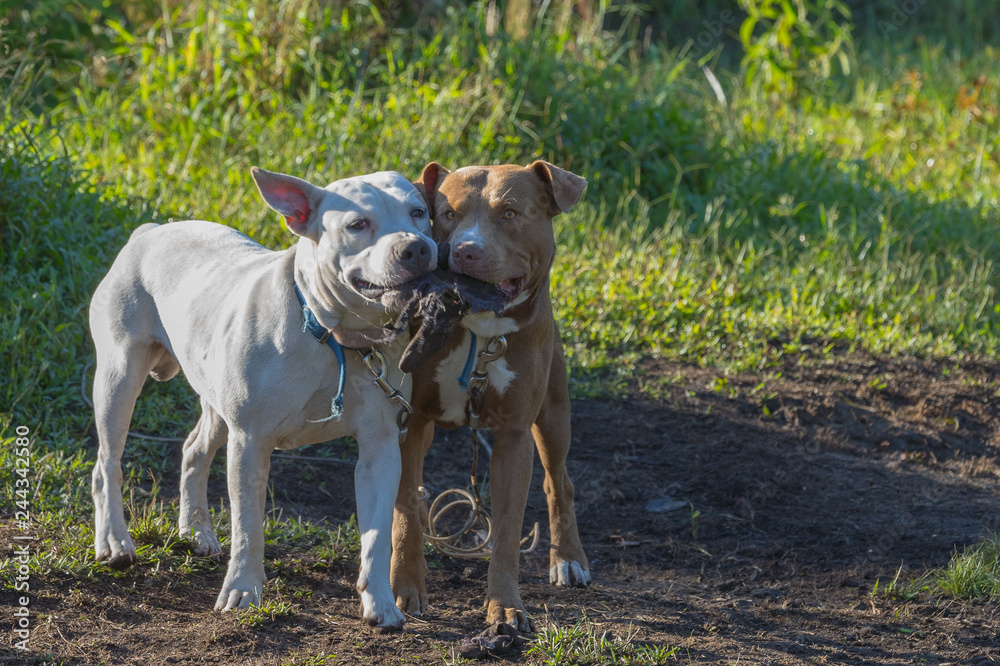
[(569, 574), (499, 613), (411, 600)]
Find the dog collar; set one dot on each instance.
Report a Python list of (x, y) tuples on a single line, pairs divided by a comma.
[(324, 335), (463, 379), (373, 360)]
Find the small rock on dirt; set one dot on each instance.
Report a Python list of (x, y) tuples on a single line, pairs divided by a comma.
[(665, 505)]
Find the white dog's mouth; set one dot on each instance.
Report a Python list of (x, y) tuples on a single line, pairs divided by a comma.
[(370, 291)]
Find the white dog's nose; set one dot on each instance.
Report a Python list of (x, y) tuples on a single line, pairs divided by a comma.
[(414, 256)]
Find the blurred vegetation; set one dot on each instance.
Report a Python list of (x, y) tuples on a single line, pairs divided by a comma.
[(731, 219)]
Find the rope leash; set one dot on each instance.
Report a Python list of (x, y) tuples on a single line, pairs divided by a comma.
[(450, 544)]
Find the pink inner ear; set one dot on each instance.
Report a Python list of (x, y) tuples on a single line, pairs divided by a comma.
[(292, 197), (296, 206), (430, 181)]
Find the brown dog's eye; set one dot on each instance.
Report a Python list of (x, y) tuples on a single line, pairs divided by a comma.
[(449, 214), (509, 214)]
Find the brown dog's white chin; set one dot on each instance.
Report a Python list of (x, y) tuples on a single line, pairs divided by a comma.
[(512, 287)]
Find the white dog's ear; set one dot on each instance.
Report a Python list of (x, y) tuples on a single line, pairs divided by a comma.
[(298, 201), (565, 187)]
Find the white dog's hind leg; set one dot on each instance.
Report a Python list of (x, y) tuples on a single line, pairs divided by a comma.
[(200, 447), (376, 481), (247, 468), (118, 379)]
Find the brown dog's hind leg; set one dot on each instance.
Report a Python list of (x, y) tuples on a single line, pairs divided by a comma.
[(568, 565), (408, 571)]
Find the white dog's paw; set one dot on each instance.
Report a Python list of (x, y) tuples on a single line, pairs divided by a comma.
[(203, 539), (569, 574), (240, 592), (381, 612), (115, 547)]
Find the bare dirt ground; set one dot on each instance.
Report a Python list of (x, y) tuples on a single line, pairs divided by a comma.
[(797, 498)]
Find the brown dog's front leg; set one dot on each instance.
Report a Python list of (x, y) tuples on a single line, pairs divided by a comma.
[(408, 572), (510, 479)]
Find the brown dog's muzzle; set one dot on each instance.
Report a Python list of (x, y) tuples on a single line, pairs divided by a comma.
[(467, 257)]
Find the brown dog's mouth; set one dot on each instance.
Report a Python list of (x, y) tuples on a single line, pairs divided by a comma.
[(367, 289), (512, 287)]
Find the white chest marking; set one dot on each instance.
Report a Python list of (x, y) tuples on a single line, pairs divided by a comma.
[(454, 399), (487, 325), (500, 375)]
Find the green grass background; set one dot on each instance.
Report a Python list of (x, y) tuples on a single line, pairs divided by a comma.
[(729, 231)]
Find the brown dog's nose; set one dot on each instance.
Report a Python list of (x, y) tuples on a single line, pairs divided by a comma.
[(467, 254), (415, 256)]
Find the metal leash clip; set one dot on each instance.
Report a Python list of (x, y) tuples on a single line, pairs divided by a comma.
[(479, 378), (375, 363)]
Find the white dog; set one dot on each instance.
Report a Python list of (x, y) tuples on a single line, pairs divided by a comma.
[(206, 298)]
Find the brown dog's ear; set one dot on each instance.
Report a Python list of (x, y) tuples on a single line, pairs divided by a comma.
[(565, 187), (427, 184), (297, 200)]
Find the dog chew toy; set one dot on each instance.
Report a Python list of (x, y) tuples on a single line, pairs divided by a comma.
[(438, 300)]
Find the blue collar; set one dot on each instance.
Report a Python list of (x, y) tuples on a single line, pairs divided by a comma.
[(325, 336), (463, 379)]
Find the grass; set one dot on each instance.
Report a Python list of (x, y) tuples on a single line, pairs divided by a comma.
[(582, 643), (268, 611), (972, 574), (310, 660), (66, 550), (728, 235)]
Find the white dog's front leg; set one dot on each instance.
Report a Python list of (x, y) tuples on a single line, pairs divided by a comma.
[(376, 480), (247, 469)]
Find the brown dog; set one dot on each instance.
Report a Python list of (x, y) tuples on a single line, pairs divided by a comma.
[(498, 223)]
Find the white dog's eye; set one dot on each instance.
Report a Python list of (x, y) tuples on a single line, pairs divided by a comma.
[(359, 224), (418, 213)]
